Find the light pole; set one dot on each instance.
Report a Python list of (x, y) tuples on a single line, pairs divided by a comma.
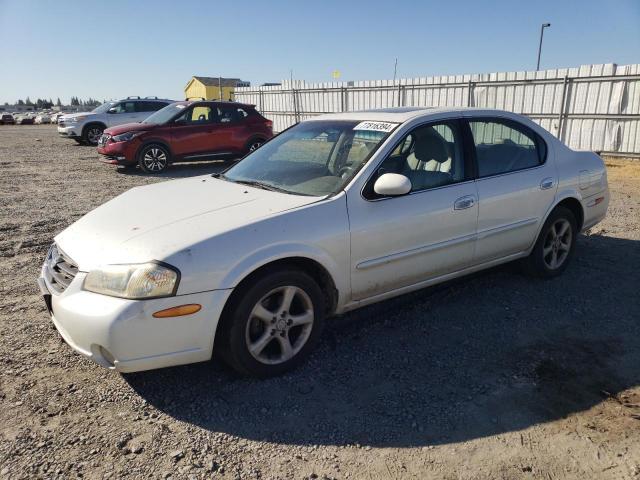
[(544, 25)]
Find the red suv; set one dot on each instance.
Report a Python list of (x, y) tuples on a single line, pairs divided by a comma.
[(186, 131)]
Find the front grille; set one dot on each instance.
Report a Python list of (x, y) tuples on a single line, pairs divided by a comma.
[(59, 270)]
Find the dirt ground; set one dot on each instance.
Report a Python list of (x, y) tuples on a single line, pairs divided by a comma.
[(496, 376)]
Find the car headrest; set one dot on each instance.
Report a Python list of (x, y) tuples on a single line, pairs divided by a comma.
[(431, 147)]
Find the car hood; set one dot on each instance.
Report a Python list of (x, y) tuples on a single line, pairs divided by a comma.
[(129, 127), (76, 115), (151, 222)]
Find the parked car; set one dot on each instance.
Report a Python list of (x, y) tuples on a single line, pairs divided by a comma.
[(42, 119), (87, 127), (24, 119), (7, 119), (186, 131), (335, 213), (55, 117)]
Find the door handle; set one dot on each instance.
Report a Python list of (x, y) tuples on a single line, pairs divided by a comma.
[(464, 202), (546, 183)]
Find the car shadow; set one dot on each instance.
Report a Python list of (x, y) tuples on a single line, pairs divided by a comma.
[(483, 355)]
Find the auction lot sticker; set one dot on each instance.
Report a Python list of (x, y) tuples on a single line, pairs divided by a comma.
[(376, 126)]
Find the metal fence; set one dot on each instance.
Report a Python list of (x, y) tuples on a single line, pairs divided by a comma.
[(592, 107)]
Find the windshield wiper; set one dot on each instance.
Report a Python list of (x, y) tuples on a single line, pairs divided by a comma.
[(262, 185)]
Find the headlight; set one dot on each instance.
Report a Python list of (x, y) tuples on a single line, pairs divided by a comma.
[(74, 119), (125, 137), (146, 280)]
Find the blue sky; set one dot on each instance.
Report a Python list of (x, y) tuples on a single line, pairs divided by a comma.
[(118, 48)]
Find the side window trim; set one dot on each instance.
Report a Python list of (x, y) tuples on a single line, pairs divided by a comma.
[(469, 174), (537, 139)]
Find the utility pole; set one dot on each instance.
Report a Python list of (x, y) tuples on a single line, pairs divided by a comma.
[(395, 71), (220, 88), (544, 25)]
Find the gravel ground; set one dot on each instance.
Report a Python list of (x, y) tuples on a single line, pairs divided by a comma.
[(492, 376)]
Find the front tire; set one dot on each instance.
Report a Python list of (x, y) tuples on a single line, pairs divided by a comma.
[(153, 158), (555, 245), (92, 133), (272, 324)]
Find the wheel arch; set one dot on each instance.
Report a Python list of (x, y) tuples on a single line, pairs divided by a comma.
[(573, 205), (308, 265), (568, 200), (93, 122), (154, 141), (253, 138)]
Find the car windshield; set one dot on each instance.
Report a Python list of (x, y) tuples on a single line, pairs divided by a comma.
[(165, 114), (104, 107), (315, 158)]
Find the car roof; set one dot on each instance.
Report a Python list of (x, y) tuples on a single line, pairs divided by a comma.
[(217, 102), (144, 99), (399, 114)]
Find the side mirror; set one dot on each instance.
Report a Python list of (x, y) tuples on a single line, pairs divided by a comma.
[(112, 110), (392, 185)]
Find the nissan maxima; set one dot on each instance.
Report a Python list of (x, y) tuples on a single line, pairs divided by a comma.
[(337, 212)]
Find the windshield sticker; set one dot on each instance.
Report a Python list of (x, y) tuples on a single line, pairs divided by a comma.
[(376, 126)]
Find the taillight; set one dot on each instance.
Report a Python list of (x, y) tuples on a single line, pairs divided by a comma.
[(269, 124)]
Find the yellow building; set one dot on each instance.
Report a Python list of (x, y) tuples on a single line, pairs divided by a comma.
[(212, 88)]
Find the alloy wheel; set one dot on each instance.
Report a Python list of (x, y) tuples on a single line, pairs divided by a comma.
[(557, 244), (254, 146), (93, 135), (155, 159), (279, 325)]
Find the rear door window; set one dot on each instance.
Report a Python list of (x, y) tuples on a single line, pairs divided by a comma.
[(504, 146), (227, 115), (149, 106)]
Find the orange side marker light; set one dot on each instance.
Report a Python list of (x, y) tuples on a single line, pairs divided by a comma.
[(178, 311)]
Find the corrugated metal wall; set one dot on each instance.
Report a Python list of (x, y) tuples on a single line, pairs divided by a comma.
[(592, 107)]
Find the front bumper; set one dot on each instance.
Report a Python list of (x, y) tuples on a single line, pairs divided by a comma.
[(119, 153), (123, 335), (70, 130)]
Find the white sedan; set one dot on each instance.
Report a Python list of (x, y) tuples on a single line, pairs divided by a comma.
[(338, 212)]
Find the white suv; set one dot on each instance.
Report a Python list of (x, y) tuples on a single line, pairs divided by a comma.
[(86, 127)]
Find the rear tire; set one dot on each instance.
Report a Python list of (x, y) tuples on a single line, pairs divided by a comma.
[(555, 245), (91, 134), (272, 323), (153, 158), (253, 145)]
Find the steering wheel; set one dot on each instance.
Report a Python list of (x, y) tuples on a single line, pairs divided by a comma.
[(344, 171)]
